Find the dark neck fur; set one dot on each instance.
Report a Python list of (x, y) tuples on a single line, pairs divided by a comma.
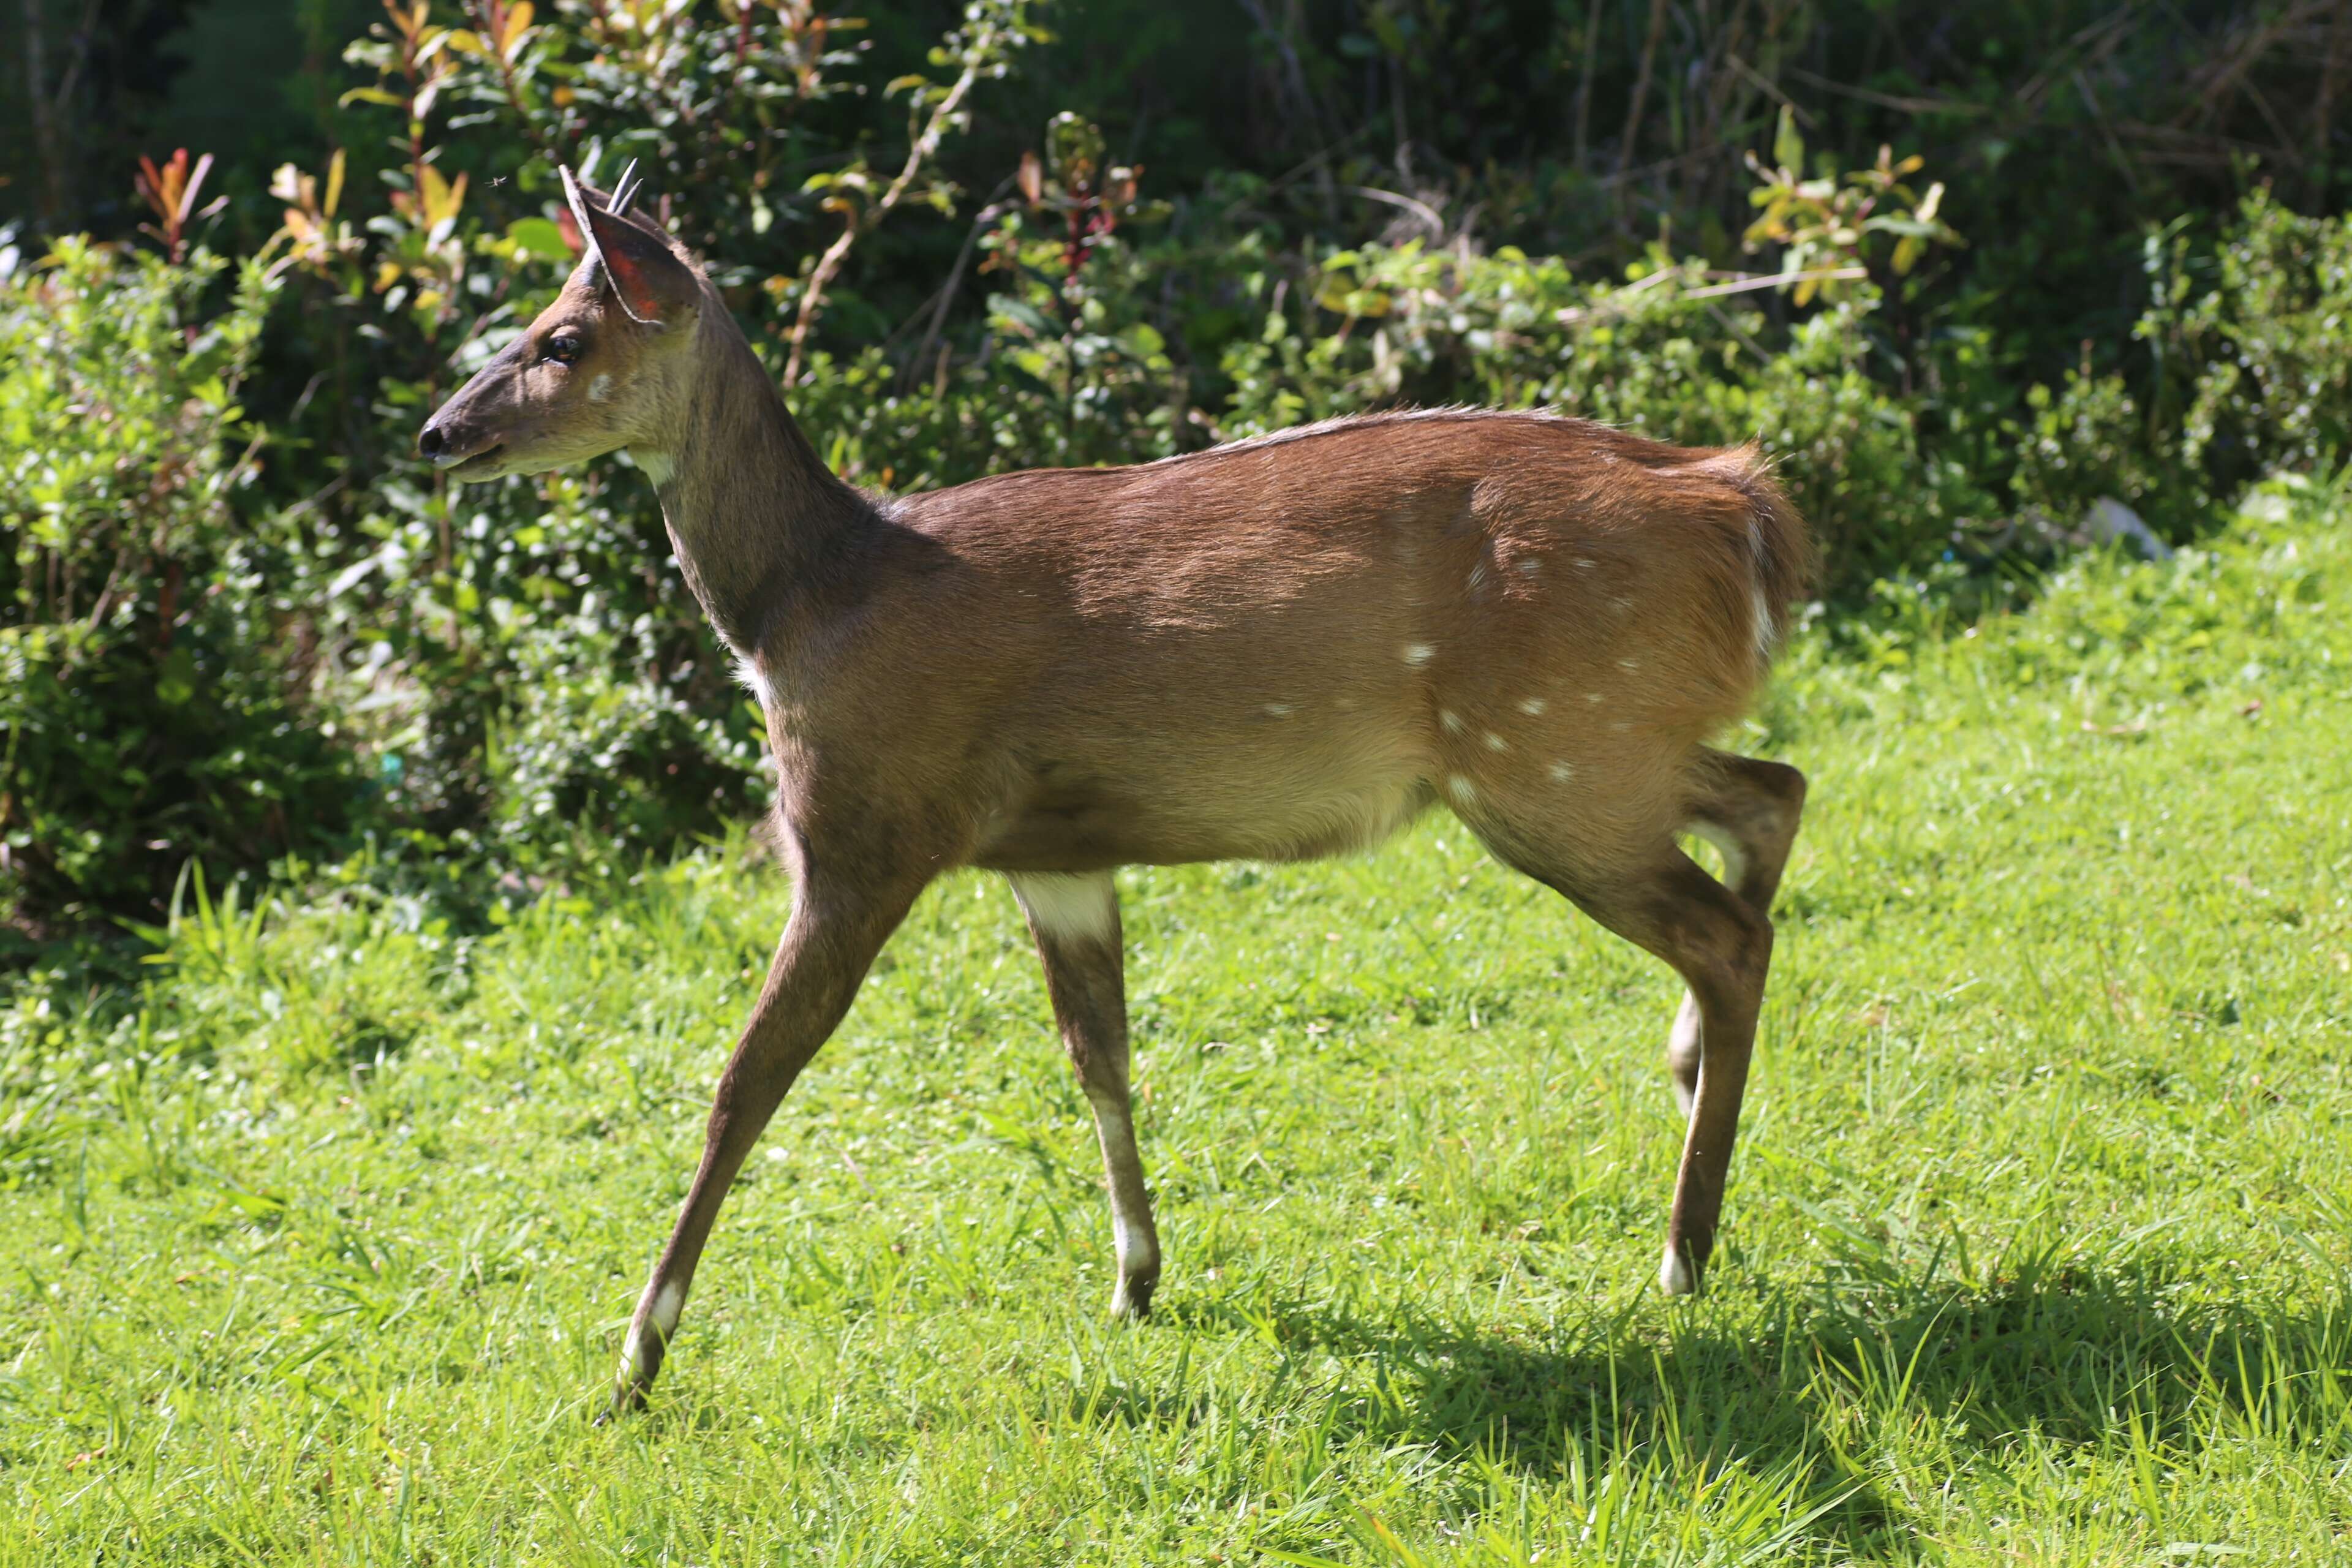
[(752, 511)]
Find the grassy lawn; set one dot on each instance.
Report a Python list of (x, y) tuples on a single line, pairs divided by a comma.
[(2040, 1240)]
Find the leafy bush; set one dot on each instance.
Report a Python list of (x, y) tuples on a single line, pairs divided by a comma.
[(149, 703), (329, 637), (2246, 369)]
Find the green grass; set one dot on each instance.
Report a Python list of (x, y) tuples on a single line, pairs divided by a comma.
[(2038, 1247)]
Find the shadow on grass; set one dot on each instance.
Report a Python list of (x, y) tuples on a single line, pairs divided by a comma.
[(1828, 1376)]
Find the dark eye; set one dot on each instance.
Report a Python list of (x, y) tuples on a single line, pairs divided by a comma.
[(563, 347)]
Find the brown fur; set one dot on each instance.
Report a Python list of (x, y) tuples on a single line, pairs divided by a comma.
[(1278, 649)]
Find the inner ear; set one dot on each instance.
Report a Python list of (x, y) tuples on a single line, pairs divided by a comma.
[(651, 283)]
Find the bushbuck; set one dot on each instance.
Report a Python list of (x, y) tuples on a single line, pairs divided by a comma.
[(1276, 649)]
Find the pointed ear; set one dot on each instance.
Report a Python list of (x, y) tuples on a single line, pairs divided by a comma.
[(653, 285)]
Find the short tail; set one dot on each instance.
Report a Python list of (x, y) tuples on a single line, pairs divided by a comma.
[(1779, 541)]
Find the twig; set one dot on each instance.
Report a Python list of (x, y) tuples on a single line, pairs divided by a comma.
[(945, 298), (1584, 85), (1773, 280), (856, 225), (1887, 99), (1420, 210), (1744, 284), (1640, 91), (1772, 89)]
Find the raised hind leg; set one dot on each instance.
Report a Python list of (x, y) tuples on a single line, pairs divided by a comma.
[(1660, 900), (1748, 810)]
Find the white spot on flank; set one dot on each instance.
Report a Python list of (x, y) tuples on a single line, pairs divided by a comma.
[(601, 389), (654, 466), (1585, 563), (1461, 789), (1629, 664), (1562, 772), (1593, 697), (1531, 705), (1068, 906), (1621, 603), (1277, 709), (1451, 719), (1495, 742), (1418, 654), (1531, 565)]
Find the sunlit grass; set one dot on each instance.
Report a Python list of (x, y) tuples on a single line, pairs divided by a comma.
[(2039, 1232)]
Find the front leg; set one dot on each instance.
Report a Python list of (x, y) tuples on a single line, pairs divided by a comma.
[(1075, 919), (839, 922)]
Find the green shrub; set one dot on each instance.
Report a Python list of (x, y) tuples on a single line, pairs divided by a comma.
[(2246, 370), (150, 707)]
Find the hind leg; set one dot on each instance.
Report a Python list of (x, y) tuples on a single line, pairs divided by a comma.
[(1722, 947), (1075, 921), (1748, 810)]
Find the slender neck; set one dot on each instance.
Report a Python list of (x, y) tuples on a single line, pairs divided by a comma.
[(752, 511)]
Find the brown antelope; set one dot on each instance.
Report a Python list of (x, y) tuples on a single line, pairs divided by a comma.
[(1277, 649)]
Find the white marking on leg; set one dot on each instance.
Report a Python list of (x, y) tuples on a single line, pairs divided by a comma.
[(1674, 1274), (1418, 654), (1068, 906), (1733, 853), (662, 1319), (1531, 705), (654, 466), (1462, 790)]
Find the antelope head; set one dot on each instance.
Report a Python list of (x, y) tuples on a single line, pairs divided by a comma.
[(607, 365)]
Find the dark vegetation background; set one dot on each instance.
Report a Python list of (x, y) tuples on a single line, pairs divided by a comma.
[(2095, 274)]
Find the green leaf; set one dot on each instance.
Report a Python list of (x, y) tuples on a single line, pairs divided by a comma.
[(538, 236), (1788, 146)]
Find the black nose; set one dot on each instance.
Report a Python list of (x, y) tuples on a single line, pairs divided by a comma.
[(430, 442)]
